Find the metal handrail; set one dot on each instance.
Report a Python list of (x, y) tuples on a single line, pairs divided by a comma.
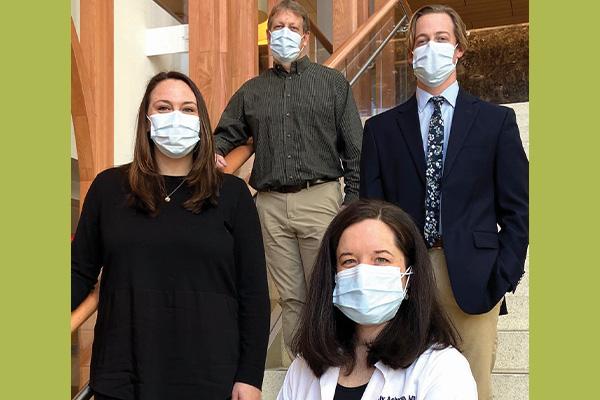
[(399, 26), (336, 59), (85, 393)]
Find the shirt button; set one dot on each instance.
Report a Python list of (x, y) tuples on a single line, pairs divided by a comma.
[(288, 95), (287, 114), (289, 135), (289, 156)]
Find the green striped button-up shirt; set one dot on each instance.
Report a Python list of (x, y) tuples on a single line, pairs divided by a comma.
[(304, 123)]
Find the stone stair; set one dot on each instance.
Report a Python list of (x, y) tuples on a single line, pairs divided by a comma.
[(510, 377)]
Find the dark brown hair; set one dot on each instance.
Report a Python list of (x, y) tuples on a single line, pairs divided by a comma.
[(326, 337), (293, 6), (145, 181), (460, 30)]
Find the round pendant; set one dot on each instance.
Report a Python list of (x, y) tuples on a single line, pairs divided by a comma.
[(167, 199)]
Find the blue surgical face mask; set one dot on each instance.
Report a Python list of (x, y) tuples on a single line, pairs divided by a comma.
[(434, 62), (175, 133), (370, 294), (285, 45)]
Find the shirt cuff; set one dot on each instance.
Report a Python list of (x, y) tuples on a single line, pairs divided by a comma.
[(250, 375)]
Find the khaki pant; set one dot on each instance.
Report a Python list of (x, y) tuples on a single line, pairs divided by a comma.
[(292, 227), (478, 332)]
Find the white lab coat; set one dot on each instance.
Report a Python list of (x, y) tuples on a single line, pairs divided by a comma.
[(435, 375)]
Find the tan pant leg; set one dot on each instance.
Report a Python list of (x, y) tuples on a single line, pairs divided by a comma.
[(478, 332), (310, 212), (283, 258)]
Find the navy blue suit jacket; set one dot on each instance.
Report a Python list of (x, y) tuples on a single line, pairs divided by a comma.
[(484, 186)]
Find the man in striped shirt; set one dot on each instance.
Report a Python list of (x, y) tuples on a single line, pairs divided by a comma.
[(307, 135)]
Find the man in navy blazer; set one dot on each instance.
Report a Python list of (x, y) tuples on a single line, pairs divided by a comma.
[(456, 164)]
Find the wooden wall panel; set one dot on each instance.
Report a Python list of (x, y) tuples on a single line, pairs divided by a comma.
[(347, 17), (83, 114), (223, 49), (243, 39), (97, 44)]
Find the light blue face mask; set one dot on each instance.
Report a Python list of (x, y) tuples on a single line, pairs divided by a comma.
[(175, 133), (285, 45), (370, 294), (433, 62)]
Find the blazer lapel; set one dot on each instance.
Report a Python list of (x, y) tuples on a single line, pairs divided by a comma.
[(464, 115), (408, 121)]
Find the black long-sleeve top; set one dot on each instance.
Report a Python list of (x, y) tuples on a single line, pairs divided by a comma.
[(304, 123), (183, 310)]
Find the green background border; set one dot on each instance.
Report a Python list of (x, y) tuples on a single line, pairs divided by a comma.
[(565, 280), (34, 209)]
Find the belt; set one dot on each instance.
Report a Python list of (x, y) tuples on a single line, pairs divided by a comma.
[(438, 244), (297, 188)]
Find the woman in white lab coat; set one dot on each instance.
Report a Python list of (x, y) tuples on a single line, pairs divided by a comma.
[(372, 327)]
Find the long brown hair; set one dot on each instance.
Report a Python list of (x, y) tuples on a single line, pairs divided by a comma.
[(145, 181), (327, 338)]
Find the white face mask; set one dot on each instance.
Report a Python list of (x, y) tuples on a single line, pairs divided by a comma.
[(370, 294), (433, 62), (175, 133), (285, 45)]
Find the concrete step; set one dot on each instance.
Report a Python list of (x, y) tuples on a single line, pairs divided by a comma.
[(510, 386), (512, 355), (518, 314), (518, 306), (272, 383)]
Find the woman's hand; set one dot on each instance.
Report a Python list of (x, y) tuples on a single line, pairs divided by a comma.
[(243, 391)]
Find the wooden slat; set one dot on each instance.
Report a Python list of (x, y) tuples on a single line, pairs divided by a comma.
[(82, 113), (97, 54), (97, 45), (223, 52), (348, 15)]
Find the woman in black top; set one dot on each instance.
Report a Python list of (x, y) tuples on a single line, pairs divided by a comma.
[(183, 310)]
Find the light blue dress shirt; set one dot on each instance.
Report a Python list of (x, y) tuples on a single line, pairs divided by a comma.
[(425, 108)]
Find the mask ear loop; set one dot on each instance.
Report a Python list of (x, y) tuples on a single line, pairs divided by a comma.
[(407, 273), (149, 130)]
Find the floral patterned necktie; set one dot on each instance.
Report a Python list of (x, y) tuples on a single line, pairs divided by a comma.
[(433, 173)]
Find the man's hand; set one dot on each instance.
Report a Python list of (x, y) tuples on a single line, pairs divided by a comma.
[(243, 391), (220, 160)]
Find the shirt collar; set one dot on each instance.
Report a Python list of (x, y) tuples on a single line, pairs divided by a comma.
[(297, 66), (449, 94), (385, 370)]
